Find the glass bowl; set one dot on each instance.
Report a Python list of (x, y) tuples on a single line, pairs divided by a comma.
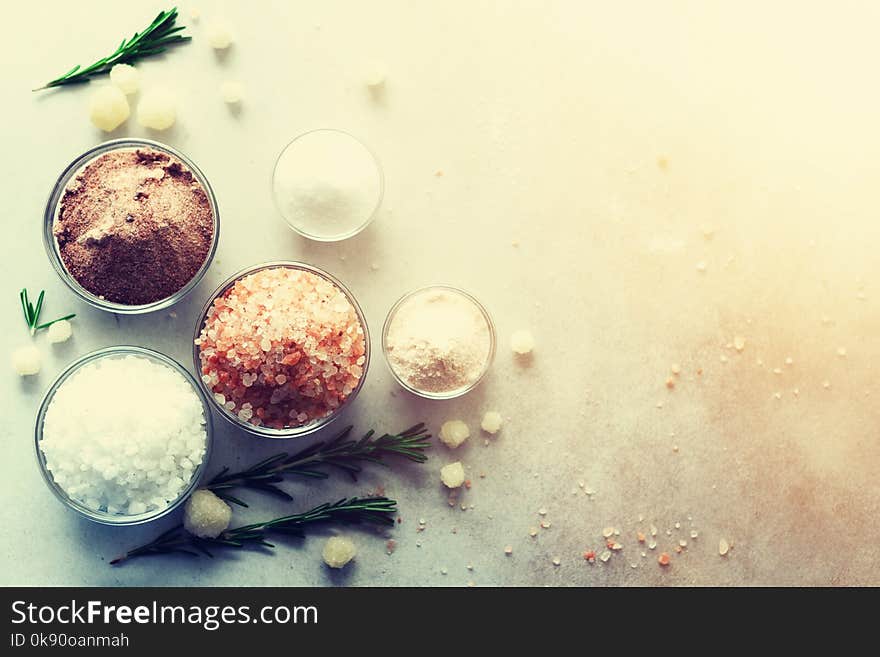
[(458, 392), (289, 432), (104, 517), (337, 236), (51, 211)]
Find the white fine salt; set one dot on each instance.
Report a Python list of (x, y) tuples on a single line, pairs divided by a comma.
[(327, 185), (438, 341), (124, 435)]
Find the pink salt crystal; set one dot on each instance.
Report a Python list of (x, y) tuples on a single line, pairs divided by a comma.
[(286, 342)]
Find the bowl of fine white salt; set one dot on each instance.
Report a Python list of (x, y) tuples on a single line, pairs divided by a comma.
[(123, 435), (327, 185)]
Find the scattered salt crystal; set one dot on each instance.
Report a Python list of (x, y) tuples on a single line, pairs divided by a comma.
[(26, 360), (826, 384), (206, 515), (126, 78), (678, 525), (157, 109), (652, 544), (219, 36), (694, 533), (108, 108), (841, 351), (777, 370), (675, 369), (789, 361), (607, 532), (453, 433), (556, 561), (522, 342), (723, 547), (231, 91), (701, 266), (739, 342), (508, 550), (605, 556), (533, 532), (375, 76), (492, 421), (452, 475)]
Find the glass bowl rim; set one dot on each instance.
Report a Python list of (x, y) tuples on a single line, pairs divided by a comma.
[(292, 432), (54, 200), (102, 517), (341, 236), (490, 358)]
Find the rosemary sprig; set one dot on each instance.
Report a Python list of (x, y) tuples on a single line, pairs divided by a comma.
[(347, 511), (32, 313), (160, 34), (339, 452)]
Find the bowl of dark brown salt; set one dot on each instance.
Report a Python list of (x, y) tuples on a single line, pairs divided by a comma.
[(131, 226)]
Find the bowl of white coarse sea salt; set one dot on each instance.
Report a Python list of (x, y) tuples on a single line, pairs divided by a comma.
[(123, 435)]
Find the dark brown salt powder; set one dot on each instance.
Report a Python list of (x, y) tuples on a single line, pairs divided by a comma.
[(134, 226)]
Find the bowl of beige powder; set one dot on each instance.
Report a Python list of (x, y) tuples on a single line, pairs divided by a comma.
[(131, 226), (438, 341)]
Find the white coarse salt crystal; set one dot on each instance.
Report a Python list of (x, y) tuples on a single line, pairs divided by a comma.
[(508, 550), (59, 332), (206, 515), (605, 556), (108, 108), (723, 547), (327, 184), (126, 78), (841, 351), (607, 532), (492, 421), (232, 92), (701, 266), (219, 35), (739, 343), (125, 431), (556, 561), (522, 342), (157, 109), (375, 76), (26, 360), (338, 551), (453, 433), (452, 475)]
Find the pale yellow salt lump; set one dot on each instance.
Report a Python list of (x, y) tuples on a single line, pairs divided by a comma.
[(522, 341), (492, 421), (206, 515), (59, 332), (126, 78), (231, 91), (108, 108), (453, 433), (219, 35), (452, 475), (338, 551), (26, 360), (157, 109)]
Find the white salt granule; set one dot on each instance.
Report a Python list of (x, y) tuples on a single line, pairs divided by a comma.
[(219, 35), (492, 421), (206, 515), (338, 551), (124, 434), (126, 78), (26, 360), (452, 475), (157, 109), (59, 332), (327, 184), (231, 91), (522, 342), (438, 341), (453, 433), (108, 108)]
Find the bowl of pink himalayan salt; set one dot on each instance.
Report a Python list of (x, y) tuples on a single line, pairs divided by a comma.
[(281, 348)]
